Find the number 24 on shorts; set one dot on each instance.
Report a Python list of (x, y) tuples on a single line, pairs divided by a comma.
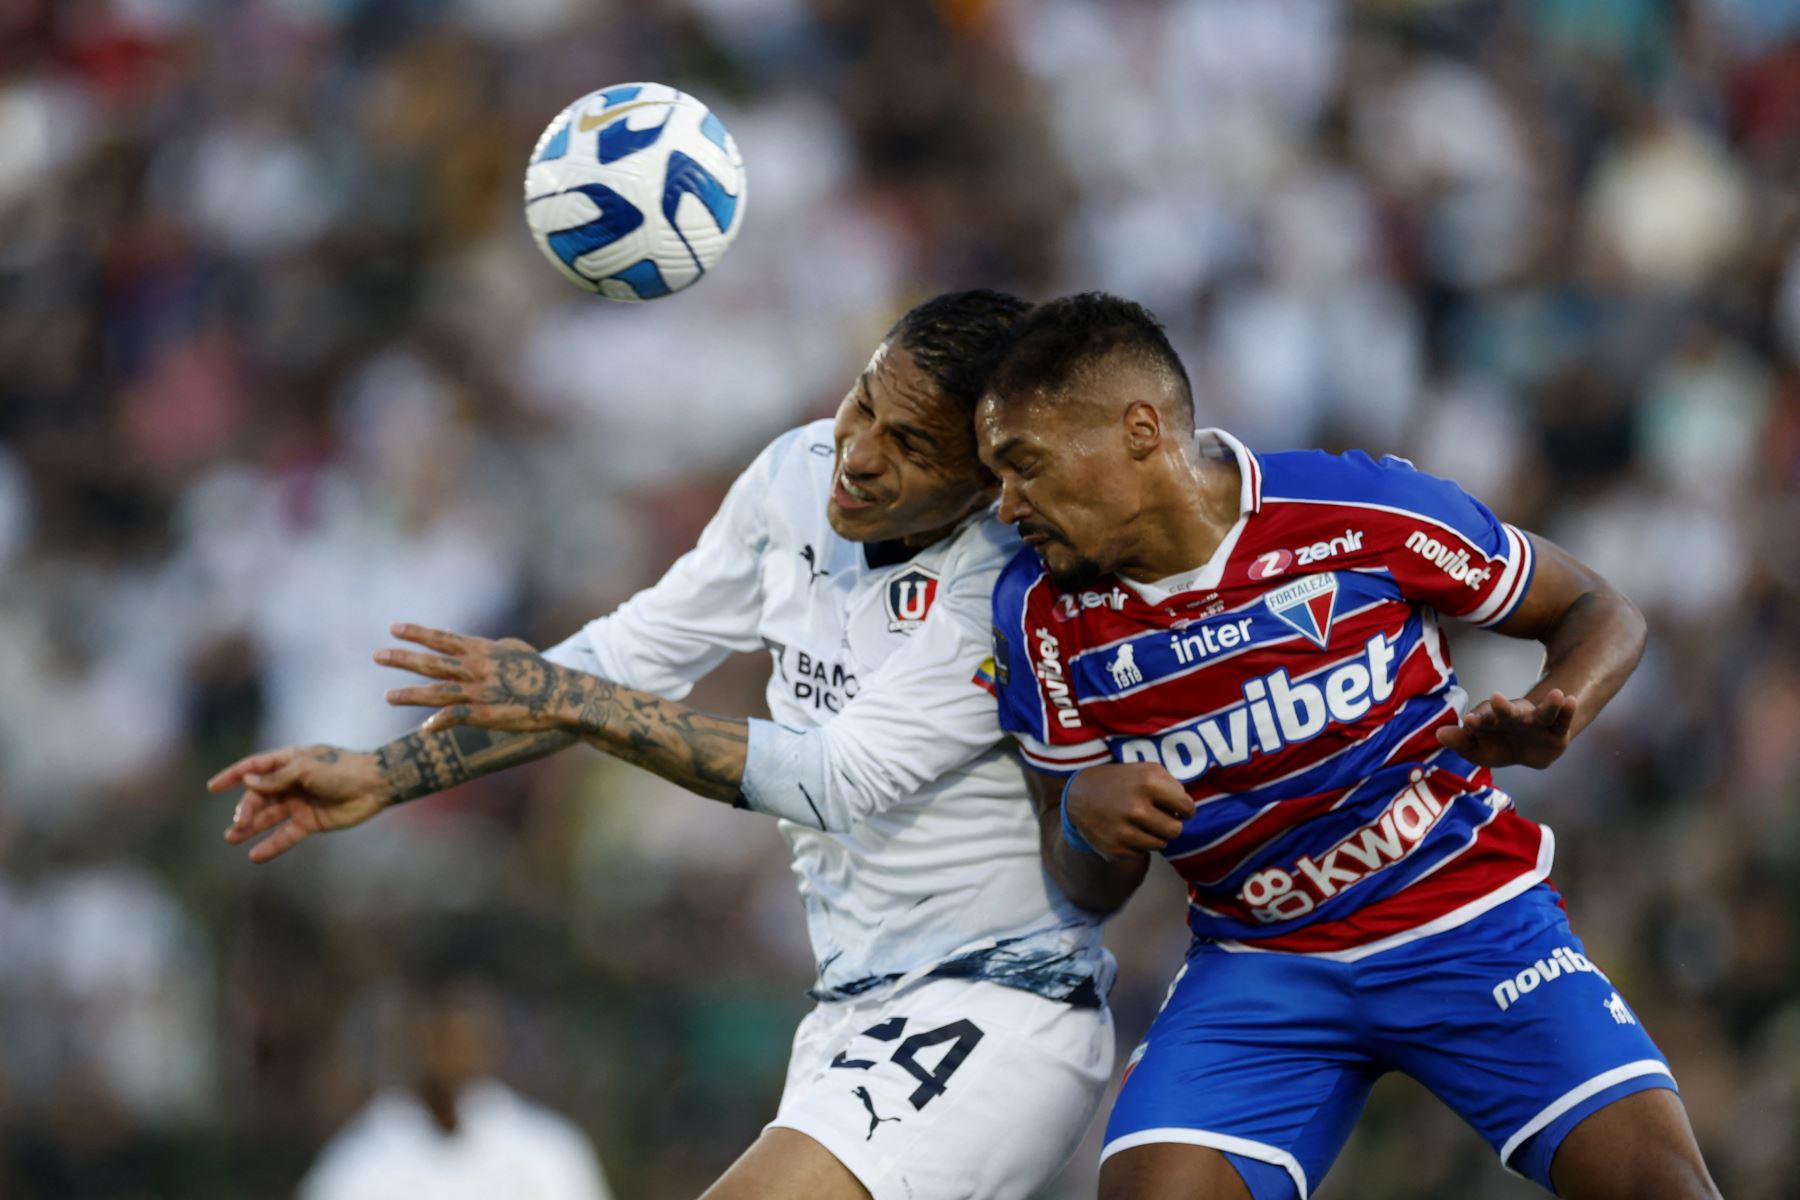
[(963, 1037)]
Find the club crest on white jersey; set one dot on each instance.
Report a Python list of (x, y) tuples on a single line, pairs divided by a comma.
[(909, 598)]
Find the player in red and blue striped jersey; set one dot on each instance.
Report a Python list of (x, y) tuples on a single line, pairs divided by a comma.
[(1296, 691), (1236, 660)]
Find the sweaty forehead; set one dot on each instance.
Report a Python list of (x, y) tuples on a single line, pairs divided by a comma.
[(1003, 426)]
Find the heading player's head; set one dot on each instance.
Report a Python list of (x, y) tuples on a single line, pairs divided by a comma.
[(1087, 418), (907, 467)]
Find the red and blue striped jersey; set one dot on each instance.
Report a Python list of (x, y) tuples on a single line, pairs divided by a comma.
[(1295, 684)]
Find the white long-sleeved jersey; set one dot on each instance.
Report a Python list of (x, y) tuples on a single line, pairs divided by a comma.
[(913, 837)]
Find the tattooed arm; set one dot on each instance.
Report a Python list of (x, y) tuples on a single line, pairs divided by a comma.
[(507, 686), (302, 790), (502, 704), (420, 764)]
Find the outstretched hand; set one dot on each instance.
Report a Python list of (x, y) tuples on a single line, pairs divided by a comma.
[(503, 685), (298, 791), (1501, 733)]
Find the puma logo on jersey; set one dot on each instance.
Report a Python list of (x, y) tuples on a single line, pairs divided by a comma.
[(875, 1119), (1451, 560)]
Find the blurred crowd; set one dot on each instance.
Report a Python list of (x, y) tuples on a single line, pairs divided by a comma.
[(279, 365)]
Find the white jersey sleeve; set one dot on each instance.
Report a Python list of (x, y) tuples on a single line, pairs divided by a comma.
[(708, 605), (914, 843), (919, 717)]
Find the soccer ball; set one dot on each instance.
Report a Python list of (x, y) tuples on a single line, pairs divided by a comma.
[(634, 191)]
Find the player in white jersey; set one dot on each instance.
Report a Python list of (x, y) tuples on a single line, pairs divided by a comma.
[(961, 1041)]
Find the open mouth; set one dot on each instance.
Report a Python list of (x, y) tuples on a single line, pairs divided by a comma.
[(849, 496)]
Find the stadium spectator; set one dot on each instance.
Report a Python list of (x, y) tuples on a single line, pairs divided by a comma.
[(455, 1131)]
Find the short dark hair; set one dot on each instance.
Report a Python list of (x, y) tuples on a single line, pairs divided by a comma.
[(1056, 340), (957, 337)]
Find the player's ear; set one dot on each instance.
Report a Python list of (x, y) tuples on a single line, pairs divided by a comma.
[(1143, 429)]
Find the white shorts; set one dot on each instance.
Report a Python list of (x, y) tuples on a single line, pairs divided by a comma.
[(949, 1090)]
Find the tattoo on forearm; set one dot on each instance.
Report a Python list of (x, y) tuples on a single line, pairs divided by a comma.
[(700, 752), (422, 763)]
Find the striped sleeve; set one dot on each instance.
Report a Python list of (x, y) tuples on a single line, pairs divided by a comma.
[(1446, 549), (1038, 702)]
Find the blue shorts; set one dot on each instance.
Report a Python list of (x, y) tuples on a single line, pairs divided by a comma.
[(1270, 1057)]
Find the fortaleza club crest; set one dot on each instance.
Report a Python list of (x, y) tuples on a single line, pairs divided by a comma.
[(1307, 605), (910, 595)]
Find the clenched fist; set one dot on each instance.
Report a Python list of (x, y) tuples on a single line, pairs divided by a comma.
[(1123, 809)]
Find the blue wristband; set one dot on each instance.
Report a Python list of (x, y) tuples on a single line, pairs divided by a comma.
[(1070, 834)]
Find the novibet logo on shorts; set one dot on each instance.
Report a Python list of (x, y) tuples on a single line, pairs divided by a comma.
[(1564, 960)]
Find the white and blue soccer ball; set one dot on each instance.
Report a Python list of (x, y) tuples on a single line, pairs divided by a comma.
[(635, 191)]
